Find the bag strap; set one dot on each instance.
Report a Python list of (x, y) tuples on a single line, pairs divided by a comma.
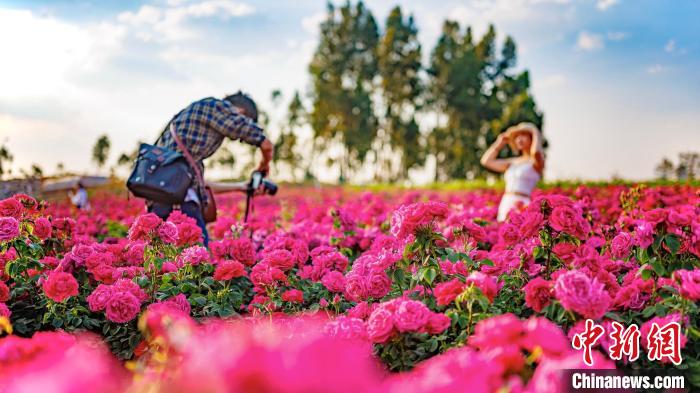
[(187, 155)]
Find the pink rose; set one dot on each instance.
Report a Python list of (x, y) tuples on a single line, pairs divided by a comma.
[(411, 316), (500, 330), (565, 251), (4, 292), (4, 311), (508, 234), (689, 283), (486, 284), (126, 285), (243, 250), (188, 233), (59, 286), (293, 296), (446, 292), (348, 328), (122, 307), (11, 207), (437, 323), (194, 255), (621, 245), (538, 293), (355, 288), (531, 224), (144, 226), (167, 231), (545, 334), (42, 228), (168, 267), (334, 281), (566, 219), (378, 284), (361, 310), (134, 253), (577, 292), (97, 300), (409, 218), (9, 229), (228, 269), (281, 259), (179, 303), (380, 325)]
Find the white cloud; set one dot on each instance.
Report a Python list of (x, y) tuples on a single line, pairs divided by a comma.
[(656, 69), (49, 51), (670, 46), (551, 81), (605, 4), (589, 41), (617, 35), (311, 22), (168, 23)]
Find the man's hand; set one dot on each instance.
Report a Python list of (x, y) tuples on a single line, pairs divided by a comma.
[(267, 149)]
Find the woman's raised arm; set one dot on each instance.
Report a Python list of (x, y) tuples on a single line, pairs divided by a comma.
[(490, 158)]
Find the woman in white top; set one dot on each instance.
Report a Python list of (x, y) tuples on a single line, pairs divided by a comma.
[(79, 197), (521, 173)]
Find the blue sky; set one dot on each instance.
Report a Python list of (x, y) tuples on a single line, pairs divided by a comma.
[(618, 80)]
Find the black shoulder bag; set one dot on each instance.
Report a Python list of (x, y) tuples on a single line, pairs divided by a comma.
[(160, 175)]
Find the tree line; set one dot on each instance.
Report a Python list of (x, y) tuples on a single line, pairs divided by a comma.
[(373, 103)]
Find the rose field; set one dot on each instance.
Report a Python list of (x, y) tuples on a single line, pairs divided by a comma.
[(338, 290)]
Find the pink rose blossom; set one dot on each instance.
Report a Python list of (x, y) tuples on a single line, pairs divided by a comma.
[(122, 307), (577, 292), (59, 286), (9, 229)]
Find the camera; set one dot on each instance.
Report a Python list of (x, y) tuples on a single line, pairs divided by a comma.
[(258, 181)]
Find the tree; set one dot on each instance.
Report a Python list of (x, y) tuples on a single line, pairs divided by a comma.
[(665, 169), (399, 62), (100, 151), (5, 159), (287, 144), (688, 165), (455, 93), (479, 95), (342, 72), (36, 171)]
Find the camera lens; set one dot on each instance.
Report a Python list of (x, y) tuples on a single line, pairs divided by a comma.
[(270, 187)]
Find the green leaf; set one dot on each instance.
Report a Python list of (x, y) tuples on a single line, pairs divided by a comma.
[(487, 262), (430, 274), (658, 267), (672, 243), (57, 323), (200, 300), (646, 273)]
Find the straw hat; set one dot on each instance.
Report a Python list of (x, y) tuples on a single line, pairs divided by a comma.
[(524, 127)]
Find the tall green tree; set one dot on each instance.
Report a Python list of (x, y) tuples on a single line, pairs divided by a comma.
[(5, 160), (342, 72), (100, 151), (287, 145), (456, 96), (477, 93), (399, 62)]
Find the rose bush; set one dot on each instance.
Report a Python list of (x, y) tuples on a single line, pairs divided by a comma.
[(423, 282)]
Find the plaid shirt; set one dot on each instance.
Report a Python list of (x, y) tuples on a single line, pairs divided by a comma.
[(204, 124)]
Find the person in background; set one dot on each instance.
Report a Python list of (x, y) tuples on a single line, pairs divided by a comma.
[(202, 127), (521, 173), (79, 196)]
